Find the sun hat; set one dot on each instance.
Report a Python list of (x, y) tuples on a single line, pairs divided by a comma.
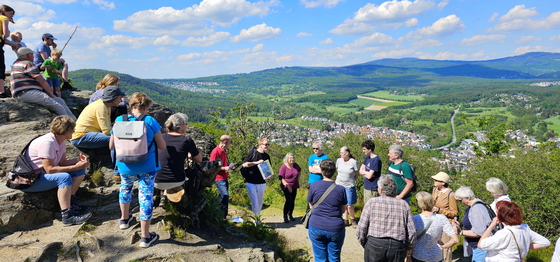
[(175, 194), (441, 176)]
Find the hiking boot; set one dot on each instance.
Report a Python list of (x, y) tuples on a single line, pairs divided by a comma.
[(68, 86), (147, 242), (125, 223), (70, 217), (77, 208)]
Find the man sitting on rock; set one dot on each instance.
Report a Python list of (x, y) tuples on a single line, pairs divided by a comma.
[(28, 85), (93, 128)]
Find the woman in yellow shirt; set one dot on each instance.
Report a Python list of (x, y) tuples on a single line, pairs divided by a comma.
[(6, 15)]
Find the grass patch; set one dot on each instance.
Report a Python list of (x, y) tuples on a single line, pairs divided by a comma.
[(430, 107), (553, 124), (363, 102), (392, 104), (340, 110), (388, 96)]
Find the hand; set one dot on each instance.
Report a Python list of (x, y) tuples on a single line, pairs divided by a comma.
[(440, 243), (455, 223), (289, 188), (53, 44), (83, 157), (260, 162), (495, 222), (47, 67), (82, 164)]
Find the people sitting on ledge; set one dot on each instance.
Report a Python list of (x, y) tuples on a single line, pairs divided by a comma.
[(43, 52)]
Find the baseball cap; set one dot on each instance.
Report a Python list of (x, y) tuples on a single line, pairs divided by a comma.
[(24, 51), (48, 36)]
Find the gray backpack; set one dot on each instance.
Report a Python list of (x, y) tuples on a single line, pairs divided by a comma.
[(131, 140)]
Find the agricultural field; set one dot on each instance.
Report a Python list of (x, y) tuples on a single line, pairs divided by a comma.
[(363, 102), (387, 95), (430, 107), (554, 124)]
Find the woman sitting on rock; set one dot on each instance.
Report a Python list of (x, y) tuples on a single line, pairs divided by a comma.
[(48, 154)]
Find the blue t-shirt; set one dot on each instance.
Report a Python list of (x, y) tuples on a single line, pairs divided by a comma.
[(327, 215), (37, 58), (375, 165), (314, 161), (148, 165)]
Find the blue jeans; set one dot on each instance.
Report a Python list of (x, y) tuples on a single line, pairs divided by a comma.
[(478, 255), (326, 245), (223, 186), (92, 140), (384, 250), (50, 181)]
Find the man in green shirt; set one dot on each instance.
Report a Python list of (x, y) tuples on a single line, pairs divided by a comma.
[(402, 173)]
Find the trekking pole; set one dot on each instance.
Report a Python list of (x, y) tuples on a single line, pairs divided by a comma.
[(69, 38)]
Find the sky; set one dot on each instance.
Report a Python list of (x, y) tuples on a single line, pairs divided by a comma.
[(187, 39)]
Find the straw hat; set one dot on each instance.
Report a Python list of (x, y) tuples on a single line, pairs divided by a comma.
[(175, 194), (441, 176)]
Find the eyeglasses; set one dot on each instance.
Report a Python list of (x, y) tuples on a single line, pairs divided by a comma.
[(265, 144), (315, 148)]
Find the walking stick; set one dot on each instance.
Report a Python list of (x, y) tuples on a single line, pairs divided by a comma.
[(69, 38)]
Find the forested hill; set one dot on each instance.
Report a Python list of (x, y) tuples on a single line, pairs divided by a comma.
[(196, 105)]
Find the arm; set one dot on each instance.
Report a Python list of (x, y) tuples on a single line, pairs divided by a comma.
[(248, 163), (103, 119), (159, 141), (45, 85), (6, 31), (538, 241), (50, 168), (215, 156), (314, 170), (112, 142), (407, 188), (454, 240), (198, 158), (45, 65)]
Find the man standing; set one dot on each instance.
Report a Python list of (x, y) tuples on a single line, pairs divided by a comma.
[(386, 229), (370, 169), (93, 128), (401, 171), (253, 178), (222, 177), (28, 85), (43, 52), (314, 162)]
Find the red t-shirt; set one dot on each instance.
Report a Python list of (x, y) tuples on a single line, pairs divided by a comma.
[(219, 153)]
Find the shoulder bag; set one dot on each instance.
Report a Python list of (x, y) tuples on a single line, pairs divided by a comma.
[(308, 214)]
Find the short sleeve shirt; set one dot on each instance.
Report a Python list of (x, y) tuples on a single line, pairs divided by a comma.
[(327, 215), (37, 58), (426, 248), (172, 158), (45, 147), (48, 73), (314, 161), (398, 172), (346, 172), (221, 154), (375, 165)]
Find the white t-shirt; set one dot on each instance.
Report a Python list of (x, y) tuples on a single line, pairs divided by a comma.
[(556, 255), (346, 172), (502, 247), (427, 248)]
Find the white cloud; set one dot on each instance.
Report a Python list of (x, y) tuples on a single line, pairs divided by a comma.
[(326, 41), (392, 11), (303, 34), (528, 25), (189, 56), (426, 43), (32, 13), (444, 26), (258, 47), (518, 12), (285, 58), (443, 4), (207, 40), (555, 38), (113, 42), (326, 3), (393, 53), (350, 27), (478, 54), (527, 38), (372, 40), (442, 56), (164, 49), (526, 49), (257, 33), (104, 4), (493, 17), (482, 39), (191, 20), (166, 40), (412, 22)]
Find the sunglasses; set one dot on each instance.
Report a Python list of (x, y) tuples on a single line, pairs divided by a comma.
[(315, 148), (265, 144)]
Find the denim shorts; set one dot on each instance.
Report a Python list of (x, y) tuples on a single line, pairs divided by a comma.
[(53, 82), (351, 195)]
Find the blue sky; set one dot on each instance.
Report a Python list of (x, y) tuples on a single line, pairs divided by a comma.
[(185, 39)]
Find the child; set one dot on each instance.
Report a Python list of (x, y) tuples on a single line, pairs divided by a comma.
[(17, 41), (53, 67)]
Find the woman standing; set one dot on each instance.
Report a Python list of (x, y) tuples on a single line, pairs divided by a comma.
[(347, 168), (6, 15), (289, 183), (47, 155), (513, 242), (445, 204), (144, 171), (475, 221), (498, 189), (429, 228), (326, 226)]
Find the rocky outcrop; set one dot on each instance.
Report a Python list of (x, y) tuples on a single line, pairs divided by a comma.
[(19, 123)]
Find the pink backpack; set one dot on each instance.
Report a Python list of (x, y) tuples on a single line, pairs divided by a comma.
[(131, 140)]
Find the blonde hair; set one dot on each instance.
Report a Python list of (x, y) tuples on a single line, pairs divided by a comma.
[(56, 52), (425, 200), (108, 80), (285, 160), (62, 124), (140, 100), (16, 34)]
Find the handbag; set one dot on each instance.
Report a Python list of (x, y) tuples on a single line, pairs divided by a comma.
[(518, 249), (308, 213), (22, 175)]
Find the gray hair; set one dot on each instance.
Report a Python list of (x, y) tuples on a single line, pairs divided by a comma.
[(387, 185), (496, 186), (175, 121), (425, 200), (318, 144), (464, 192), (285, 161), (397, 150)]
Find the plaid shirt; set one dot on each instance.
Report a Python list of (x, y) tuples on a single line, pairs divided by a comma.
[(387, 217)]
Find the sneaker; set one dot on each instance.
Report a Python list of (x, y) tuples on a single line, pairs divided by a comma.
[(77, 208), (70, 217), (125, 223), (147, 242)]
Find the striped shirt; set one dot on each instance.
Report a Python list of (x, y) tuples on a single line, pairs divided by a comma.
[(387, 217), (23, 76)]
